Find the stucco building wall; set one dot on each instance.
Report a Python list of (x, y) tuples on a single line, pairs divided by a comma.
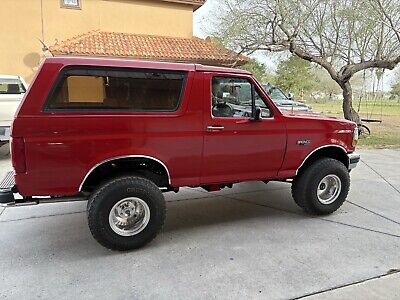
[(24, 22)]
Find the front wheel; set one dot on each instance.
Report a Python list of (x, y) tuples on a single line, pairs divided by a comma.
[(322, 187), (126, 213)]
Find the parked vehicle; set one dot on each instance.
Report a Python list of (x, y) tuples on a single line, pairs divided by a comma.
[(12, 90), (282, 101), (120, 133)]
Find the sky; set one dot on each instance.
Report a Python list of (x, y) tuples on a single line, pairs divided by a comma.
[(200, 17), (202, 28)]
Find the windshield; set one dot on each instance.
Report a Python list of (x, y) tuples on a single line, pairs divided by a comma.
[(11, 86), (275, 93)]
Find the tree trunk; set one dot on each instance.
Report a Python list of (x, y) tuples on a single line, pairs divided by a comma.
[(348, 110)]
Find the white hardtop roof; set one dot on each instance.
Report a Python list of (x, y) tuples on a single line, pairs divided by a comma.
[(3, 76)]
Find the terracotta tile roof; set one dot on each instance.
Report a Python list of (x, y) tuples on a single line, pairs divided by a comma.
[(126, 45)]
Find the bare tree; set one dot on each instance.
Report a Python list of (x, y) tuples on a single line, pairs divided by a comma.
[(342, 36)]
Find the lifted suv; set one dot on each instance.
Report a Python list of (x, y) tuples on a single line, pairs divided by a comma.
[(119, 133)]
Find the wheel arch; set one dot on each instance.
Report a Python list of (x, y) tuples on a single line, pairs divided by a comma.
[(125, 158), (330, 151)]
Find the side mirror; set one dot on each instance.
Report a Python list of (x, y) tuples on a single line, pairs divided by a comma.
[(257, 114)]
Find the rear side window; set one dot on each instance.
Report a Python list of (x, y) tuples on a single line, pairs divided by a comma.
[(96, 89)]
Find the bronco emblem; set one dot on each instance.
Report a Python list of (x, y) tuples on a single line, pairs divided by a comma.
[(303, 142)]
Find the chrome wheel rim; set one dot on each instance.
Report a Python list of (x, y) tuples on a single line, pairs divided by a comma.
[(129, 216), (329, 189)]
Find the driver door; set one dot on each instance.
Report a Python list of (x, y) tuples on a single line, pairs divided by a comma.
[(237, 148)]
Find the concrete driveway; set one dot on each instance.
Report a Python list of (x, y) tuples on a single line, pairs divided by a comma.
[(251, 241)]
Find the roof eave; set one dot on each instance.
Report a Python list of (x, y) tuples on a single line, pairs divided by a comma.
[(196, 6), (212, 62)]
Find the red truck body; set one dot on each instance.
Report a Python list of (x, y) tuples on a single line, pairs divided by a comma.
[(57, 144), (119, 133)]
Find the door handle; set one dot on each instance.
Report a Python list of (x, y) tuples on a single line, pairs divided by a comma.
[(215, 128)]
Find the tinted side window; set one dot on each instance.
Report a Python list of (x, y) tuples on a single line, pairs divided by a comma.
[(118, 90), (233, 97)]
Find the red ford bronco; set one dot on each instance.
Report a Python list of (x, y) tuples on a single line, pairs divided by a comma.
[(120, 133)]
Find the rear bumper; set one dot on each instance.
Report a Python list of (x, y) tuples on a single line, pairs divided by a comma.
[(7, 189), (354, 158), (6, 197), (4, 133)]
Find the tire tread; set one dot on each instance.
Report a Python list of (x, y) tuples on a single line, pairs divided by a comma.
[(95, 202), (301, 184)]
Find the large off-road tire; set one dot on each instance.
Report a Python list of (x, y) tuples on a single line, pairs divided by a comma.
[(126, 213), (322, 187), (4, 150)]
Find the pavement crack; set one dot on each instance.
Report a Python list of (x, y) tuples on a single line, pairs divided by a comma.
[(381, 176), (362, 228), (168, 201), (247, 192), (373, 212), (389, 273), (41, 217), (211, 196), (319, 218), (190, 199), (263, 205)]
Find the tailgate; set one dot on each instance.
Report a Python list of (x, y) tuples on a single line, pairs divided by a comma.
[(8, 108)]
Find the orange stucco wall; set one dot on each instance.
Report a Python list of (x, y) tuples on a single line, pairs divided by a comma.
[(24, 22)]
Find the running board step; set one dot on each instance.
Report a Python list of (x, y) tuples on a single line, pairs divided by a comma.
[(37, 201), (8, 182)]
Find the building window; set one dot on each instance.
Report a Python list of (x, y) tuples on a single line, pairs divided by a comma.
[(76, 4)]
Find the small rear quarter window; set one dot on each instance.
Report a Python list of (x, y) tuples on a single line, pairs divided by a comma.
[(117, 90)]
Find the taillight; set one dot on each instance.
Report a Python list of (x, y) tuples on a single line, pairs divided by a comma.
[(18, 155), (355, 137)]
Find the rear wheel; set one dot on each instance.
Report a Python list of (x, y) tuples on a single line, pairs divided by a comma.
[(322, 187), (126, 213)]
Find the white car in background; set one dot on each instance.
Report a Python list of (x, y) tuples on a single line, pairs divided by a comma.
[(12, 90), (284, 102)]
